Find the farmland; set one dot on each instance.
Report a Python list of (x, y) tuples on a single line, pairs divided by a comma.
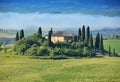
[(114, 44), (28, 69)]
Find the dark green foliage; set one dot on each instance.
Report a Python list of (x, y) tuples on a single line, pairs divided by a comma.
[(58, 51), (62, 45), (37, 51), (75, 38), (83, 33), (101, 47), (31, 51), (20, 48), (85, 51), (42, 51), (79, 34), (73, 52), (22, 45), (17, 36), (114, 53), (87, 34), (51, 31), (49, 39), (36, 37), (91, 41), (40, 32), (91, 54), (36, 45), (109, 51), (0, 45), (21, 34), (77, 45), (97, 41)]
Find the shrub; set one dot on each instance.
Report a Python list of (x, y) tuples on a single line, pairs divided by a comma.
[(31, 51), (42, 51), (58, 51), (21, 48)]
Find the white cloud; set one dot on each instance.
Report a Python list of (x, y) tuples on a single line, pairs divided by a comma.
[(33, 20)]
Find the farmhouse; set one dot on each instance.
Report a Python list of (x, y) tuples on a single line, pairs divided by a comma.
[(61, 37)]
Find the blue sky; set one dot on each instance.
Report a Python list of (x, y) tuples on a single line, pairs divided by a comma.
[(17, 14)]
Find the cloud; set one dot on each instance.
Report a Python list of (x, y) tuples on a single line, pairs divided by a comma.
[(95, 7), (13, 20)]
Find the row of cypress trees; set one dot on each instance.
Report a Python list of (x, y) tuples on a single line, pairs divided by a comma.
[(83, 36), (99, 42), (86, 36), (19, 35)]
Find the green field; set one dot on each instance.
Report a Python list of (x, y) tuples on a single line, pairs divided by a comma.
[(114, 44), (25, 69)]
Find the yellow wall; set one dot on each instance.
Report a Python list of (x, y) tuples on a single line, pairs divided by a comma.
[(55, 39)]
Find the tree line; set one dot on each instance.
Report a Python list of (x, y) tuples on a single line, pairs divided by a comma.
[(19, 35), (82, 45)]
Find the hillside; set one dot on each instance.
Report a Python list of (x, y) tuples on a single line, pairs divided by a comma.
[(26, 69), (114, 44)]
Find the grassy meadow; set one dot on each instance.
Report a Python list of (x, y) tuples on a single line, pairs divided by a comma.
[(114, 44), (26, 69)]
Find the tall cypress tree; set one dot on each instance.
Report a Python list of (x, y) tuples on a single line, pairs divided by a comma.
[(17, 36), (51, 31), (79, 34), (97, 41), (49, 39), (40, 32), (109, 51), (83, 33), (91, 41), (101, 47), (75, 38), (87, 34), (21, 34)]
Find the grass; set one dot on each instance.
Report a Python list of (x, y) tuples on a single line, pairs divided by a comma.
[(114, 44), (25, 69)]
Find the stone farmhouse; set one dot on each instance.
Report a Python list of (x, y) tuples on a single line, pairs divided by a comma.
[(61, 37)]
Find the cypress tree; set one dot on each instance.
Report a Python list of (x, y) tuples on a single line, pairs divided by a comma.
[(91, 41), (101, 48), (21, 34), (40, 32), (49, 38), (87, 34), (75, 38), (79, 34), (97, 41), (17, 36), (51, 31), (83, 33), (109, 51)]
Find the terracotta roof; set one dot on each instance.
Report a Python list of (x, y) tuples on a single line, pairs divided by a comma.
[(60, 33)]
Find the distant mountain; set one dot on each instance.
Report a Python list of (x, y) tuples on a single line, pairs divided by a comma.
[(107, 31)]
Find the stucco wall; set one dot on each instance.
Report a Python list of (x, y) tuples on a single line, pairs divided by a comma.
[(55, 39)]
